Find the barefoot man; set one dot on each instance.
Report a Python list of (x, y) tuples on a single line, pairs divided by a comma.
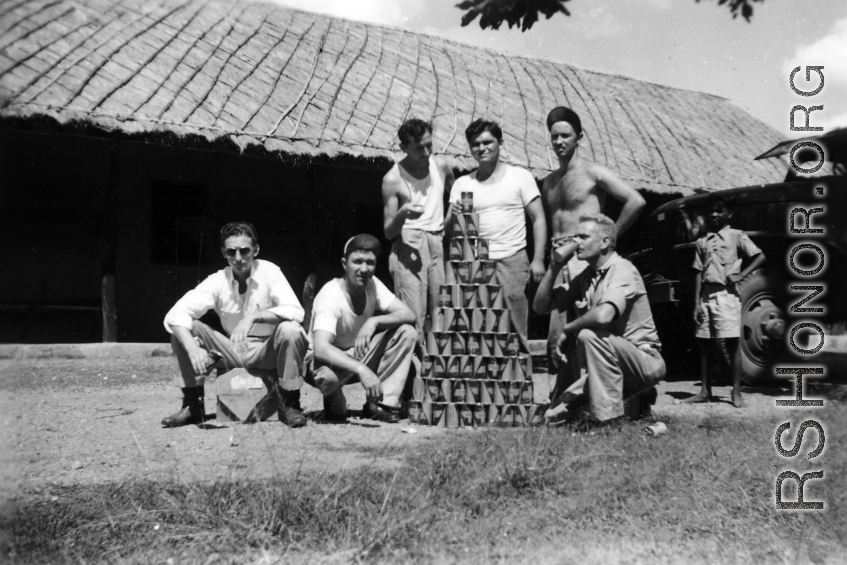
[(576, 188)]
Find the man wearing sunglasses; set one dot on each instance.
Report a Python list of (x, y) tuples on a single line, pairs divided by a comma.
[(261, 314)]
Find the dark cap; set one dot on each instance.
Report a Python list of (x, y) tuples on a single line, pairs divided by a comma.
[(362, 242), (562, 114)]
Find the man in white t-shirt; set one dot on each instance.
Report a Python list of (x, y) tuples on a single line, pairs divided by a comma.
[(502, 196), (360, 332), (413, 217)]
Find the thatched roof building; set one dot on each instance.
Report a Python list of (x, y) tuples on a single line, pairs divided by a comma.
[(300, 85)]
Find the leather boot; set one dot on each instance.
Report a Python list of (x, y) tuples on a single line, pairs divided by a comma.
[(289, 409), (193, 410)]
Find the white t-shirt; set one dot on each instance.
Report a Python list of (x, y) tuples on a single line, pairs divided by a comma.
[(500, 203), (332, 312)]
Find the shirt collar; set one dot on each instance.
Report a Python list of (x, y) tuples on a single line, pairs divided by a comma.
[(613, 258), (722, 233), (231, 279)]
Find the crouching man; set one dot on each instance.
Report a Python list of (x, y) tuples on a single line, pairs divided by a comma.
[(617, 346), (361, 332), (260, 313)]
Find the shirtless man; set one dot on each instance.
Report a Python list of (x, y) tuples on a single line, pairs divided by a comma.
[(578, 187), (413, 198)]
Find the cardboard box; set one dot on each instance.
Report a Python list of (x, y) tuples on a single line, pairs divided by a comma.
[(243, 396)]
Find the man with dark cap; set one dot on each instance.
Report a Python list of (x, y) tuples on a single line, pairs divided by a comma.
[(260, 313), (576, 188), (360, 332)]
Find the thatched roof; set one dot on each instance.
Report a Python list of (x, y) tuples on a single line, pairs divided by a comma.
[(296, 83)]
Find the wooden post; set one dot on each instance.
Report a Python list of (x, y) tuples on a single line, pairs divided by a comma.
[(107, 295)]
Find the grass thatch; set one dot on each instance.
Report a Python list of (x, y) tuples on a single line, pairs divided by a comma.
[(302, 84)]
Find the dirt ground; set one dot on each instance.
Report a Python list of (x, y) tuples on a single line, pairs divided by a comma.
[(94, 421)]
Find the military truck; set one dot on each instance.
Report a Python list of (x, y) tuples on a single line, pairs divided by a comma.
[(763, 212)]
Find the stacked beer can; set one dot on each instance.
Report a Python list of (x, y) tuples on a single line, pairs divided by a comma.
[(474, 372)]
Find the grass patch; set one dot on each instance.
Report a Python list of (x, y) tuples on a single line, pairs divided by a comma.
[(703, 493)]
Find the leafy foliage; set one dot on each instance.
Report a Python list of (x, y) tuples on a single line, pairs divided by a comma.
[(524, 13)]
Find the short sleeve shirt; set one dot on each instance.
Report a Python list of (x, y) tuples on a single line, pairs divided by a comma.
[(719, 254), (618, 283), (332, 311), (500, 203)]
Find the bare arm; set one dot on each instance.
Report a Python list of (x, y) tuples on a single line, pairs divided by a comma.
[(544, 300), (621, 191), (327, 354), (395, 214), (598, 317), (535, 211)]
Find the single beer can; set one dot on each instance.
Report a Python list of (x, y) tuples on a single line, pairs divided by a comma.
[(468, 248), (471, 225), (482, 249), (439, 367), (478, 320), (527, 393), (445, 296), (465, 415), (480, 415), (513, 392), (426, 365), (460, 320), (455, 250), (475, 343), (479, 367), (458, 390), (503, 368), (502, 342), (477, 272), (472, 387), (469, 295), (467, 202), (495, 315), (466, 369), (487, 391), (513, 344), (507, 416), (488, 344), (438, 414), (454, 367), (415, 412), (488, 269), (442, 343), (458, 343), (433, 390), (458, 226), (452, 416), (493, 293)]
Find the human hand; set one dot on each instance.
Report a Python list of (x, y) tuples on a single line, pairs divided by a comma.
[(562, 346), (363, 339), (456, 208), (562, 251), (372, 384), (411, 211), (734, 278), (536, 268), (698, 312), (199, 358), (239, 334)]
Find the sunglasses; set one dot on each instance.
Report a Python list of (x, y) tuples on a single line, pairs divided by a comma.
[(231, 251)]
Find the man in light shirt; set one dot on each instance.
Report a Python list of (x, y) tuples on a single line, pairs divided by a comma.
[(260, 313), (361, 332), (503, 196)]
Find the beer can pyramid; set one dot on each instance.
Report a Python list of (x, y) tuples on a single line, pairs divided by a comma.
[(474, 372)]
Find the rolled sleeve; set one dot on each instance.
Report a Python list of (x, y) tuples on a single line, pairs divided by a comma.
[(325, 319), (193, 305), (747, 247), (618, 294), (284, 301), (384, 297), (698, 256), (528, 187)]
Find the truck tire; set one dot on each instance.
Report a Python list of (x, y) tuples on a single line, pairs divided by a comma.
[(763, 322)]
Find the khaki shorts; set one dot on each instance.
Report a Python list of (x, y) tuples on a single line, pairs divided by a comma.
[(721, 315)]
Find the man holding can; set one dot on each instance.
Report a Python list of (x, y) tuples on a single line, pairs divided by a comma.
[(502, 197), (262, 316), (618, 347), (577, 187), (413, 213)]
